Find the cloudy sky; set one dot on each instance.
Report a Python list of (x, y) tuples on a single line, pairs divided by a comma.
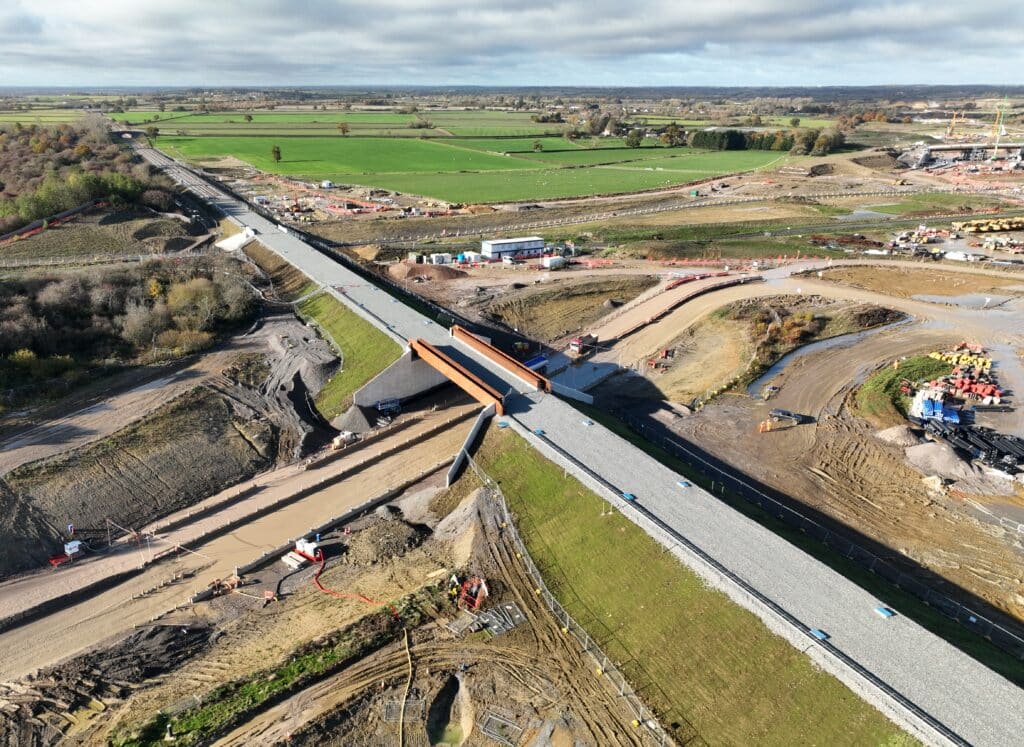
[(501, 42)]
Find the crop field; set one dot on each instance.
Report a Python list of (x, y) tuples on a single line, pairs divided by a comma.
[(446, 123), (534, 184), (338, 156), (40, 116), (657, 120), (711, 162), (521, 145), (712, 670), (439, 168)]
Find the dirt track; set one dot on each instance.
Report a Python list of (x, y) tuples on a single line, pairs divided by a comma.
[(535, 668), (111, 413), (88, 623), (836, 465), (109, 410)]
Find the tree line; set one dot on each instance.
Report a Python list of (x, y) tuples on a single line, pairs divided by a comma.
[(47, 170), (62, 325), (798, 142)]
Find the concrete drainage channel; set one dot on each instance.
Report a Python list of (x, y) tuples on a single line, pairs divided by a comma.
[(889, 701)]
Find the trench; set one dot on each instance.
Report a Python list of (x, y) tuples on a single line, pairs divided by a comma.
[(444, 727)]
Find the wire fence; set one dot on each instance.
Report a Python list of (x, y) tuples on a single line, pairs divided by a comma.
[(884, 697), (722, 480), (643, 716)]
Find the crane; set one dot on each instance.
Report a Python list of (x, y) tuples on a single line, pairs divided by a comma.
[(951, 128)]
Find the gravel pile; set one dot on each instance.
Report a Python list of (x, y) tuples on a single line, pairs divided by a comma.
[(935, 458), (899, 435)]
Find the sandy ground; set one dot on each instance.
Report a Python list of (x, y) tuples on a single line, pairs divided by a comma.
[(28, 591), (836, 465), (534, 676), (154, 591), (998, 326), (111, 413), (38, 435)]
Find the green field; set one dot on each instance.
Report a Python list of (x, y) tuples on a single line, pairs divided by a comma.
[(711, 162), (41, 116), (365, 351), (530, 185), (446, 123), (468, 155), (323, 157), (446, 170), (711, 670)]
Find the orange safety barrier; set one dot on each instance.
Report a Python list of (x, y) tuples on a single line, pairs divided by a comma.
[(501, 358), (465, 380)]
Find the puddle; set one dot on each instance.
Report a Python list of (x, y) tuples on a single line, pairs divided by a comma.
[(840, 341), (967, 300)]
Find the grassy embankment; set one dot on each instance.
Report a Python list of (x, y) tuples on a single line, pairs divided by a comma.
[(711, 669), (289, 283), (365, 350), (879, 398)]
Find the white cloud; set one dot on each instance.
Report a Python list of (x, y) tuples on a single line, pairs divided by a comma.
[(600, 42)]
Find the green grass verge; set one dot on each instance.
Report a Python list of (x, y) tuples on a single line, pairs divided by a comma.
[(710, 669), (902, 601), (365, 350), (879, 398)]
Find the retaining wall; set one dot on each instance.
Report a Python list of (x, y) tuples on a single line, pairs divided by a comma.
[(460, 459)]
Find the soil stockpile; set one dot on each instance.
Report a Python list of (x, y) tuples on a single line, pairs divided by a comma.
[(192, 447), (898, 435), (405, 271), (387, 536), (552, 310)]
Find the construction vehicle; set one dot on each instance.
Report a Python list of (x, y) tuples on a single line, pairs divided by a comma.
[(472, 593), (72, 549), (343, 439), (951, 128), (778, 415), (583, 345)]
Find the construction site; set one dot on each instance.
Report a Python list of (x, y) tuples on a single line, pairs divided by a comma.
[(449, 492)]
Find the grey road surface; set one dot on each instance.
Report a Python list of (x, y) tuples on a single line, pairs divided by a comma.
[(973, 704)]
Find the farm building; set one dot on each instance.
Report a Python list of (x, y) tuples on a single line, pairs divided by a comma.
[(531, 246)]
